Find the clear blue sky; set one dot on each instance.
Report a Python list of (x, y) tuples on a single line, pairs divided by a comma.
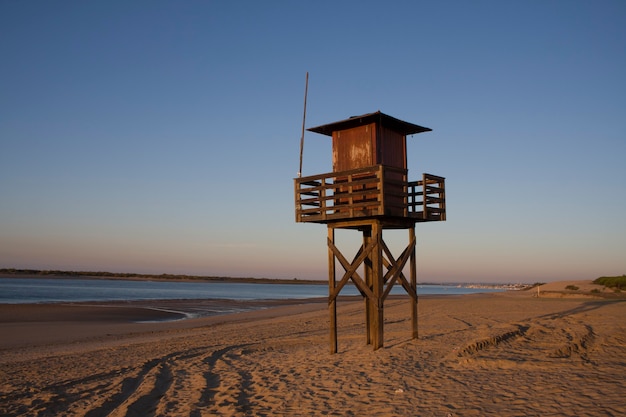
[(163, 136)]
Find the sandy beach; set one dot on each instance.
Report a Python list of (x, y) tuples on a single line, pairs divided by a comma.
[(500, 354)]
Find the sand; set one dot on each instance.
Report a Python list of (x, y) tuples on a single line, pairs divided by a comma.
[(505, 354)]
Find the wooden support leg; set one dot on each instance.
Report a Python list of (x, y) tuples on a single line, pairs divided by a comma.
[(332, 302), (367, 238), (377, 280), (413, 285)]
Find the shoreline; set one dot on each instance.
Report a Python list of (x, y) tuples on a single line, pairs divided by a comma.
[(61, 290), (247, 280)]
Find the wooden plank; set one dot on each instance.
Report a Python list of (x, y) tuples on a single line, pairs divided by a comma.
[(434, 189), (313, 183), (433, 177), (310, 202), (434, 200)]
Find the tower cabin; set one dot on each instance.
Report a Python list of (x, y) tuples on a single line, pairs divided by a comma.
[(369, 191), (370, 176)]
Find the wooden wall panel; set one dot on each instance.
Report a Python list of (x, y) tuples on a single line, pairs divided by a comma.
[(354, 148), (390, 148)]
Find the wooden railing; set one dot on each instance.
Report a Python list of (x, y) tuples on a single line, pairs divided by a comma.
[(369, 192), (427, 198)]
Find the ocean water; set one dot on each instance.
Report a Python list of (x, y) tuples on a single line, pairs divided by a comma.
[(49, 290)]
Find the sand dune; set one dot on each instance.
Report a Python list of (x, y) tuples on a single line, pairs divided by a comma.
[(497, 354)]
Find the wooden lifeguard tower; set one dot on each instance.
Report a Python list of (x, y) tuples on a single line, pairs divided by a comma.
[(369, 191)]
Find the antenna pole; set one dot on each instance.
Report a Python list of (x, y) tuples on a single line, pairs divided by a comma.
[(306, 89)]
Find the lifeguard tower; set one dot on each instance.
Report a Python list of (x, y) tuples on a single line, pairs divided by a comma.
[(369, 191)]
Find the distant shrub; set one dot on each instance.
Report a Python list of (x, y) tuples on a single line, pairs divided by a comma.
[(572, 287), (612, 282), (595, 291), (535, 285)]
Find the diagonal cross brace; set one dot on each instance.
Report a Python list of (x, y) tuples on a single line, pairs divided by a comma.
[(395, 268), (351, 268)]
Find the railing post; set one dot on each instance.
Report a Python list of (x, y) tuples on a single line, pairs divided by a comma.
[(442, 195), (424, 197), (405, 192), (323, 198), (350, 197), (380, 174), (296, 188)]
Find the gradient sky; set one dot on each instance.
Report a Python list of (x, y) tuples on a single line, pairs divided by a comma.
[(163, 136)]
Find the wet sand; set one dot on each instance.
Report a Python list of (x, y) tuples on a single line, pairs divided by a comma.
[(489, 354)]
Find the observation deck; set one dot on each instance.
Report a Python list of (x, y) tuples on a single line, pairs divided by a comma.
[(378, 192)]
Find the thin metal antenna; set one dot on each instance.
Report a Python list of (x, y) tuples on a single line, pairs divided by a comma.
[(306, 90)]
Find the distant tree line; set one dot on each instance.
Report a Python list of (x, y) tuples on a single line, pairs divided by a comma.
[(169, 277), (612, 282)]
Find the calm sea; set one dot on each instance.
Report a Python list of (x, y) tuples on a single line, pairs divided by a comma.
[(47, 290)]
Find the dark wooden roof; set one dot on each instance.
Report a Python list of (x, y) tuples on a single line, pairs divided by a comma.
[(405, 128)]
